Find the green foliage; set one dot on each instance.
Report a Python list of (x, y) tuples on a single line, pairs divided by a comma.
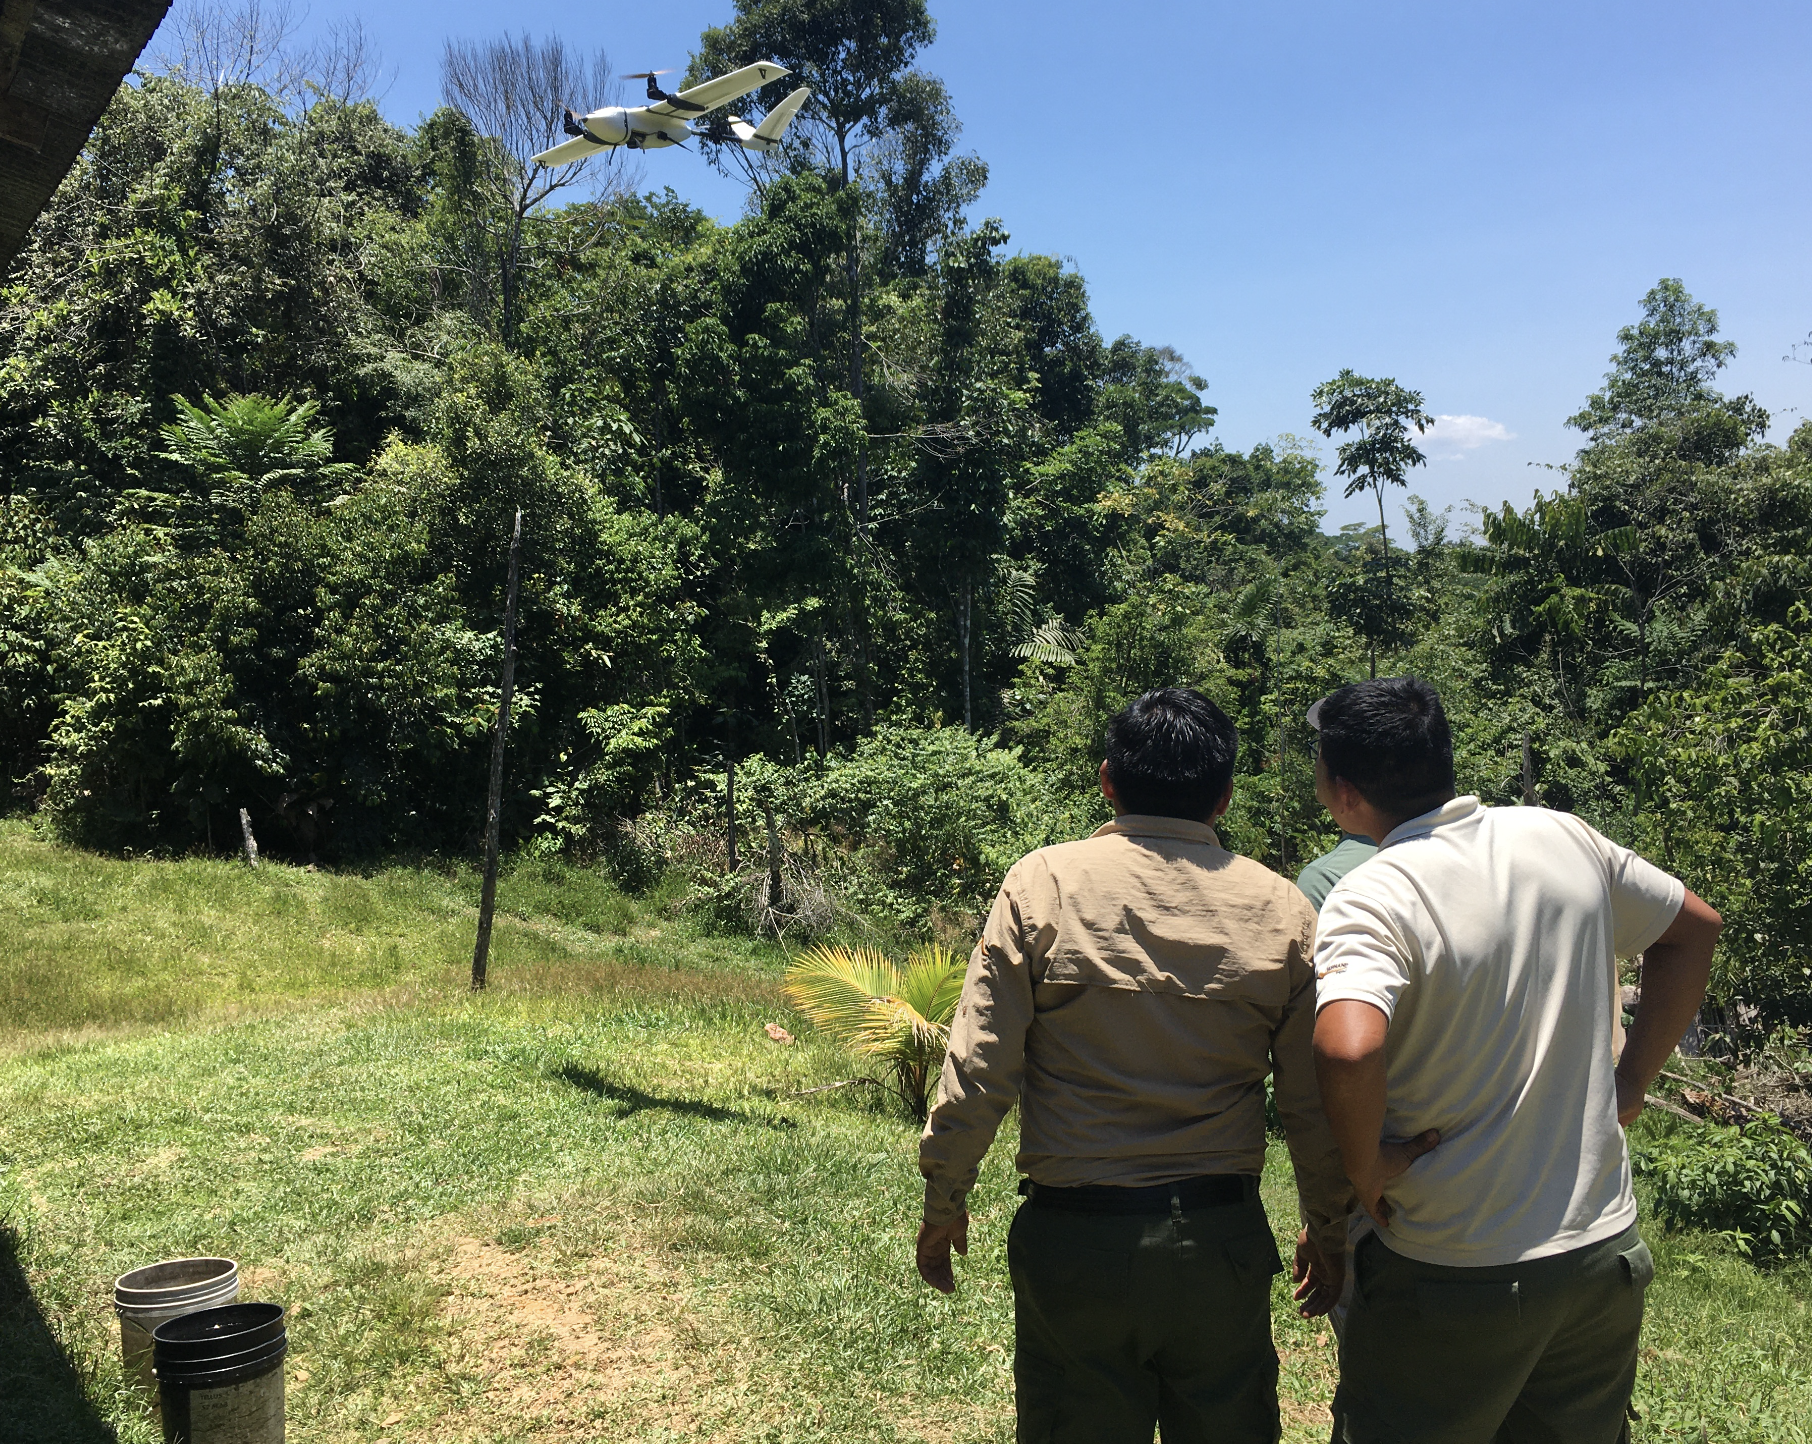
[(1725, 767), (1664, 367), (1752, 1185), (936, 815), (870, 1006)]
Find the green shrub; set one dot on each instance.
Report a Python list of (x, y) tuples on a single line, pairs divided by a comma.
[(1751, 1184)]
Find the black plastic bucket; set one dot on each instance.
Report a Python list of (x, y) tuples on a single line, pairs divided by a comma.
[(220, 1375)]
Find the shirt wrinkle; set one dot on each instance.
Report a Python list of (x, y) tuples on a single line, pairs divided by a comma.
[(1132, 991)]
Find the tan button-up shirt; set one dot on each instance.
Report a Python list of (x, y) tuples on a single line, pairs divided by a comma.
[(1131, 992)]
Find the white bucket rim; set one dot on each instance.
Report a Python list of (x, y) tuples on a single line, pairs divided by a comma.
[(209, 1283)]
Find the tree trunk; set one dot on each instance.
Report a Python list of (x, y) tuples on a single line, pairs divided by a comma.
[(1529, 798), (776, 890), (730, 801), (823, 696), (962, 627), (251, 843), (493, 819)]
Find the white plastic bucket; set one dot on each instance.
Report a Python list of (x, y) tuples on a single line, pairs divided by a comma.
[(147, 1297)]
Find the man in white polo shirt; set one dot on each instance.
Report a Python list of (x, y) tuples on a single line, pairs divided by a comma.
[(1466, 984)]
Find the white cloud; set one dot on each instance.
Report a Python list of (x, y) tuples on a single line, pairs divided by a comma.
[(1451, 437)]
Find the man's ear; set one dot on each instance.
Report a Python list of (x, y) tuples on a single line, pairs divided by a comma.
[(1107, 787), (1220, 808)]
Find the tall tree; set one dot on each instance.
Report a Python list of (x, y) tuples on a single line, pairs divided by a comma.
[(514, 93), (1382, 412), (856, 56), (1663, 368)]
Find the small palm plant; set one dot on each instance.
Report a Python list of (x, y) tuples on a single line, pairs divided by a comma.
[(898, 1015)]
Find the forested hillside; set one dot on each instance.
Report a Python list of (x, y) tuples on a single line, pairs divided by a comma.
[(849, 494)]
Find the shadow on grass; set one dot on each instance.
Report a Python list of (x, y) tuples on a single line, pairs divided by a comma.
[(634, 1100), (41, 1395)]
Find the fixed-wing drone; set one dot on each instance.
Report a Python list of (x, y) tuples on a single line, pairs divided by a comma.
[(675, 119)]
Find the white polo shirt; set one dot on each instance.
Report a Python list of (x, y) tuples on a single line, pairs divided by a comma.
[(1489, 938)]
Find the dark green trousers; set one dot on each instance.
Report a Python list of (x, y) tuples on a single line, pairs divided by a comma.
[(1126, 1323), (1542, 1352)]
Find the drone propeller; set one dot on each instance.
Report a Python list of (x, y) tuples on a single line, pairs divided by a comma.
[(654, 87)]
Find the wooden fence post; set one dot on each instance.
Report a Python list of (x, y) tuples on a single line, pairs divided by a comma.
[(251, 843), (487, 899)]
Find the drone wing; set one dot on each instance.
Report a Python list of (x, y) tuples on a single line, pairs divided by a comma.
[(720, 91), (569, 151)]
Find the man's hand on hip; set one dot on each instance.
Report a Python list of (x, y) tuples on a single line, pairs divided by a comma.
[(1392, 1160), (935, 1242)]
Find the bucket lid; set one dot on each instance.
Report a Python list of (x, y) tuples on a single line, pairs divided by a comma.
[(219, 1332), (218, 1373), (171, 1279)]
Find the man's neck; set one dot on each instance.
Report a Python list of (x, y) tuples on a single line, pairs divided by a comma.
[(1422, 809)]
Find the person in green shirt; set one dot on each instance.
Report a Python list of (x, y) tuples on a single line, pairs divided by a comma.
[(1317, 878)]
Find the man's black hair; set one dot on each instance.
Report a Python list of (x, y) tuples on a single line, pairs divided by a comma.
[(1170, 754), (1389, 738)]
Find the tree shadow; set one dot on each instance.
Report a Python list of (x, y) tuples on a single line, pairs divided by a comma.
[(633, 1100), (41, 1393)]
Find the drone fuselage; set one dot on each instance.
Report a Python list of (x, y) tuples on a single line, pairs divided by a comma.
[(635, 127)]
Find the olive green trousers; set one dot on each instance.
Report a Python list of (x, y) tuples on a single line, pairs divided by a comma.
[(1541, 1352), (1126, 1323)]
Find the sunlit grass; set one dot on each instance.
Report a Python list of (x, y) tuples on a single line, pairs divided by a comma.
[(587, 1205)]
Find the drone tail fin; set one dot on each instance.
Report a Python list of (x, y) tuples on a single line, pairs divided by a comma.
[(774, 124)]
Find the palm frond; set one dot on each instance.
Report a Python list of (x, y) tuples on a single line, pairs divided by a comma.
[(836, 987), (901, 1016), (1051, 641)]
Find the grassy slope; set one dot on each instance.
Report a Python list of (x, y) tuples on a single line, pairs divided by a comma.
[(582, 1206)]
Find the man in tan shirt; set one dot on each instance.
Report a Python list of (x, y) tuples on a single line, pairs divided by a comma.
[(1131, 992)]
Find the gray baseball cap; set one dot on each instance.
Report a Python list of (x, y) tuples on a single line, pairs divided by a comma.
[(1315, 714)]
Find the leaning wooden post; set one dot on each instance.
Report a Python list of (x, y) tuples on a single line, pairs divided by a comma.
[(487, 899), (730, 800), (251, 843)]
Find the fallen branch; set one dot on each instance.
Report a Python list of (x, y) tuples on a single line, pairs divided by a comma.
[(1748, 1107), (1672, 1108), (829, 1087), (1713, 1092)]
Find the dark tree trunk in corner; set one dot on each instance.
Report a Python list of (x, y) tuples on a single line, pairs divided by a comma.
[(493, 818)]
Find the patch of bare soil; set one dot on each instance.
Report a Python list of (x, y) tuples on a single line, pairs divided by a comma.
[(550, 1349)]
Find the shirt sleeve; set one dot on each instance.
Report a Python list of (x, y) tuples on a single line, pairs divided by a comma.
[(1360, 953), (986, 1059), (1644, 899), (1323, 1194)]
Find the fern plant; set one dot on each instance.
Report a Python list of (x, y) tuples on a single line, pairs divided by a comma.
[(900, 1016), (238, 448)]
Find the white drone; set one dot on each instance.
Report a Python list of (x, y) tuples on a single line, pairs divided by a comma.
[(667, 119)]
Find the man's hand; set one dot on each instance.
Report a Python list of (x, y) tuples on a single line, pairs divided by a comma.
[(1318, 1278), (1392, 1159), (935, 1242)]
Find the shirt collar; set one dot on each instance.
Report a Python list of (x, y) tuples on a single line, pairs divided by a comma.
[(1456, 809), (1139, 824)]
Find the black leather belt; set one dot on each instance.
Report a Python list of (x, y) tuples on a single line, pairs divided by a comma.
[(1211, 1190)]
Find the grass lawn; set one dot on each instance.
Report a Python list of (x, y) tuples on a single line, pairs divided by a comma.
[(585, 1205)]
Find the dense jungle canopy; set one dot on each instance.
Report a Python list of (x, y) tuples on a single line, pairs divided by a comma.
[(848, 493)]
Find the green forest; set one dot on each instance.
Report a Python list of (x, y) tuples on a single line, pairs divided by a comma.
[(845, 527)]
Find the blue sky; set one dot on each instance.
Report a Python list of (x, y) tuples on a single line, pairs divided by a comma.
[(1471, 197)]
